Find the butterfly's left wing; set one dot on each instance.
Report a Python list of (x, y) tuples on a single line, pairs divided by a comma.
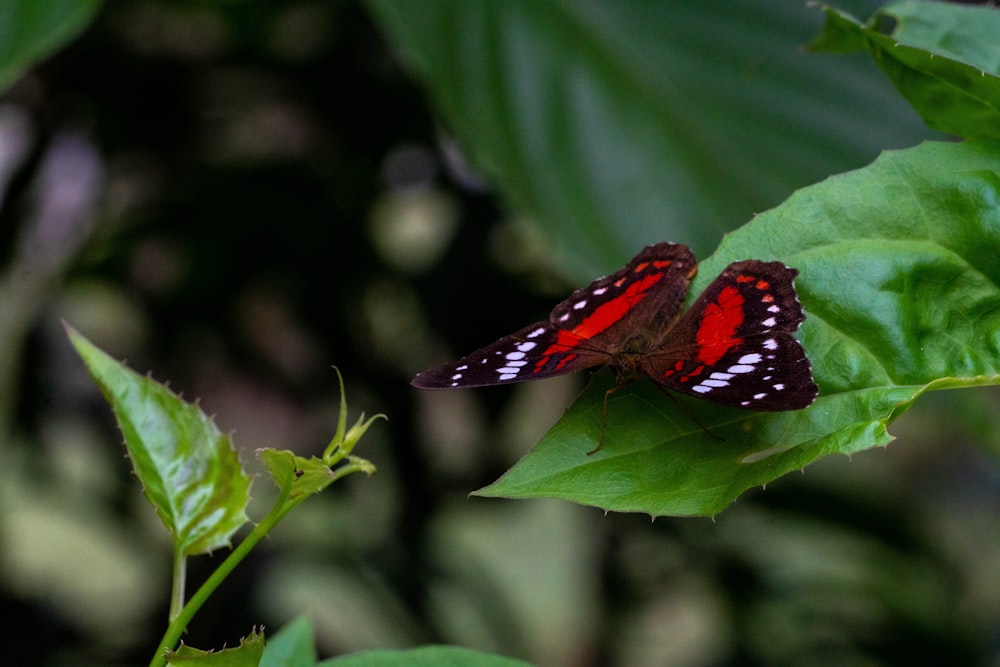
[(734, 346), (535, 352), (584, 330)]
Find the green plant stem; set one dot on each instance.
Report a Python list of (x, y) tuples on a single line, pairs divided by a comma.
[(179, 623), (281, 507)]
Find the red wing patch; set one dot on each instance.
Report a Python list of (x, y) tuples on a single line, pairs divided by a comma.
[(719, 323)]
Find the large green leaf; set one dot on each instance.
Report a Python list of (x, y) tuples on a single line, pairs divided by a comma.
[(943, 57), (33, 29), (188, 469), (617, 124), (900, 280)]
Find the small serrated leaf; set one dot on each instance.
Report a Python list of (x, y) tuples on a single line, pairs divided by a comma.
[(188, 469), (247, 654)]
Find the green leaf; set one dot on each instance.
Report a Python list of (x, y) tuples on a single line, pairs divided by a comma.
[(900, 281), (292, 646), (31, 30), (425, 656), (189, 470), (247, 654), (943, 57), (617, 124)]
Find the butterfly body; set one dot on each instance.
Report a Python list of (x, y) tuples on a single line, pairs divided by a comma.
[(733, 346)]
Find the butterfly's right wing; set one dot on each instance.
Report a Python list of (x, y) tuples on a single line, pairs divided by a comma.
[(735, 346)]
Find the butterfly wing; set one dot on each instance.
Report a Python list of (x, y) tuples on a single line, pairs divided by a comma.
[(584, 330), (734, 346), (535, 352)]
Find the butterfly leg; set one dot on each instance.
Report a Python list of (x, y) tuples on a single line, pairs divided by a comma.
[(604, 413)]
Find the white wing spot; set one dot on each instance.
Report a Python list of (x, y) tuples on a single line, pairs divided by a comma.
[(770, 344), (599, 291), (779, 387), (580, 304), (512, 356), (527, 347), (774, 309), (744, 402), (513, 363), (740, 369), (757, 397), (456, 376), (769, 322), (713, 383), (536, 333), (701, 389), (750, 359), (462, 367), (506, 373), (509, 376), (721, 376), (563, 318)]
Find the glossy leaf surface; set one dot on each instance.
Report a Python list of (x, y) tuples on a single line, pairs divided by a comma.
[(901, 286)]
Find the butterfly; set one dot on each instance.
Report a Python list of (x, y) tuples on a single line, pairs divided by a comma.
[(733, 346)]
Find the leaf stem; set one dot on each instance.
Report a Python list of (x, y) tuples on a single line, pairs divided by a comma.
[(179, 583)]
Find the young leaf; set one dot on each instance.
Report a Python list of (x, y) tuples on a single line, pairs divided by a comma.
[(298, 477), (189, 470), (900, 282), (944, 58)]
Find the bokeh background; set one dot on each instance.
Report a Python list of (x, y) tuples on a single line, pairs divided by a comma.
[(235, 196)]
